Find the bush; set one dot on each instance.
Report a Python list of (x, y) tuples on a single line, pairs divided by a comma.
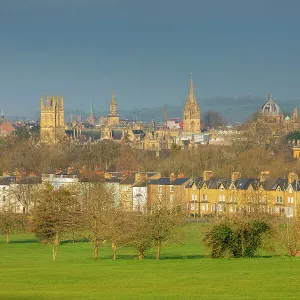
[(240, 237)]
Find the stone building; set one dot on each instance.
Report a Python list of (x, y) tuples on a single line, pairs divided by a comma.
[(191, 114), (113, 117), (52, 120)]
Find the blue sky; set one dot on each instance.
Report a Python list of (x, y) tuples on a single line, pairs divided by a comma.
[(145, 50)]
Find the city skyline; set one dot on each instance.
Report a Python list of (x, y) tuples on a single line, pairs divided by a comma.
[(84, 50)]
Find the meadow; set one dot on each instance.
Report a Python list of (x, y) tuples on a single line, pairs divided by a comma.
[(184, 272)]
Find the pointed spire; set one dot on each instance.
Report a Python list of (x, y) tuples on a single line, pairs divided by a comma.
[(92, 108), (165, 113), (2, 115), (113, 100), (191, 95)]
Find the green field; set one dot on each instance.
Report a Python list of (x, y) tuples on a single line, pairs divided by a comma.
[(184, 272)]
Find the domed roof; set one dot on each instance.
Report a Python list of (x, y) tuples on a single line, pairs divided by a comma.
[(287, 118), (270, 107)]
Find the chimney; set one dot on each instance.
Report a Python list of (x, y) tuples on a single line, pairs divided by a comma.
[(264, 175), (172, 176), (32, 174), (207, 175), (180, 175), (140, 177), (235, 176), (292, 177)]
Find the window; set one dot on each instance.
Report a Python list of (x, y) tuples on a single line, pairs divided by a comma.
[(194, 187), (279, 199), (3, 198), (194, 197), (205, 207), (222, 189), (290, 189), (171, 198), (221, 198), (171, 188), (290, 200), (160, 189)]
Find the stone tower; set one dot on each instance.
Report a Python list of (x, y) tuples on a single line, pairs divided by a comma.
[(191, 114), (113, 116), (52, 120), (165, 114), (91, 119)]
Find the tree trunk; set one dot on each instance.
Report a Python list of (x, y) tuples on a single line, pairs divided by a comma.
[(7, 237), (54, 251), (96, 248), (56, 242), (141, 254), (158, 250), (114, 246)]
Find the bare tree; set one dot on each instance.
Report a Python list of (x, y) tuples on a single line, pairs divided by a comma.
[(95, 206), (141, 237), (164, 219), (55, 214), (116, 228), (11, 222)]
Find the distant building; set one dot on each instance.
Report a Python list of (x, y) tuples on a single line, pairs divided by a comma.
[(91, 119), (113, 117), (52, 120), (191, 114)]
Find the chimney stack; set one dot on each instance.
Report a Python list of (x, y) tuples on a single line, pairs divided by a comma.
[(264, 175), (140, 177), (235, 176), (207, 175), (292, 177), (172, 176)]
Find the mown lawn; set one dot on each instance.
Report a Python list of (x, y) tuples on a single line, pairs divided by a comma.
[(27, 272)]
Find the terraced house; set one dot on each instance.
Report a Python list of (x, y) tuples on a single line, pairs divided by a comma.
[(209, 195)]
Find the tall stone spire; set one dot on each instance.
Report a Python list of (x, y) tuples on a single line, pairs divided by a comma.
[(92, 108), (165, 113), (113, 104), (113, 117), (191, 114), (191, 94)]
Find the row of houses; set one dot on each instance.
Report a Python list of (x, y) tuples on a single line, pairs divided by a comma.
[(199, 196)]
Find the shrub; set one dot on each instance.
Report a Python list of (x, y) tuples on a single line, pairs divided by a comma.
[(239, 237)]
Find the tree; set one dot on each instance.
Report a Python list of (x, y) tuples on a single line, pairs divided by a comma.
[(213, 118), (164, 220), (116, 228), (98, 200), (290, 237), (141, 237), (11, 222), (56, 213)]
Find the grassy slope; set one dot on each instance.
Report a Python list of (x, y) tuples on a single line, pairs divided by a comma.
[(27, 272)]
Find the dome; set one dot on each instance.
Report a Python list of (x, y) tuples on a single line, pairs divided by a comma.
[(270, 107), (287, 118)]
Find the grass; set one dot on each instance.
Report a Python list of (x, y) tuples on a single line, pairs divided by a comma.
[(185, 272)]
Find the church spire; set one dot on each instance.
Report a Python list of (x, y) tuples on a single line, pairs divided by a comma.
[(2, 115), (113, 100), (165, 113), (92, 108), (191, 94)]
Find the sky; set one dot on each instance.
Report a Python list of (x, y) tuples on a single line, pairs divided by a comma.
[(145, 50)]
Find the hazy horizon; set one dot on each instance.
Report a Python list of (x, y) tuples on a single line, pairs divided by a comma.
[(145, 51)]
